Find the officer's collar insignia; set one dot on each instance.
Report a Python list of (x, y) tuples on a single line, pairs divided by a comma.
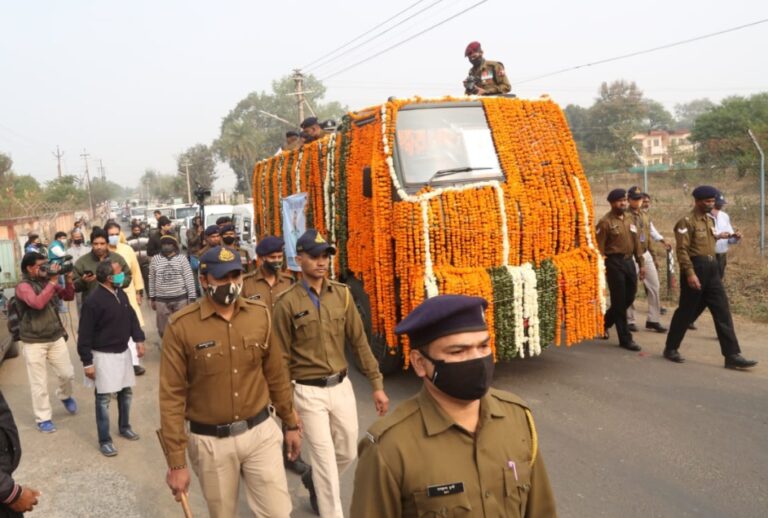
[(319, 238), (226, 256)]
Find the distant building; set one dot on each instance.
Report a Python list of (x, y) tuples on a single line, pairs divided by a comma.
[(668, 148)]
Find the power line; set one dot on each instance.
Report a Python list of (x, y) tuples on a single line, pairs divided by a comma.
[(646, 51), (375, 36), (391, 47), (321, 58)]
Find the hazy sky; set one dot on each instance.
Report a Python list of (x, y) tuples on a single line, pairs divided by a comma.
[(138, 82)]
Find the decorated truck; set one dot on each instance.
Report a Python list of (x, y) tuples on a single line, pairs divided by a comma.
[(480, 196)]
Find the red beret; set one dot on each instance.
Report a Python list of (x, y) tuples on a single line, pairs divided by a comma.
[(472, 47)]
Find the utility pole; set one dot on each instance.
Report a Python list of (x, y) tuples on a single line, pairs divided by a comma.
[(189, 186), (58, 154), (298, 79), (762, 191), (102, 173), (85, 156)]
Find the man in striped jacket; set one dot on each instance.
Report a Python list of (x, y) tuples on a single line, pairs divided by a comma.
[(171, 283)]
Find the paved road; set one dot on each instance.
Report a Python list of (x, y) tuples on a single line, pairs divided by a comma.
[(623, 434)]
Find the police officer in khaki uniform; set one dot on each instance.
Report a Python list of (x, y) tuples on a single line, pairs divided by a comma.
[(229, 239), (269, 280), (221, 366), (314, 319), (212, 236), (459, 448), (619, 241), (701, 285), (485, 77)]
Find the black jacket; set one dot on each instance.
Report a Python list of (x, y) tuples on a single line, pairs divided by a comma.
[(10, 455), (107, 322)]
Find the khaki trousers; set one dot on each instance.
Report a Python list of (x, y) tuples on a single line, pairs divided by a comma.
[(258, 455), (652, 287), (37, 357), (329, 417)]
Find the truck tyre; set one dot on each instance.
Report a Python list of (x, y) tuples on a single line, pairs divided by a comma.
[(388, 363)]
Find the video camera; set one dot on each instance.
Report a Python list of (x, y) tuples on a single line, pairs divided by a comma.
[(201, 193), (66, 266)]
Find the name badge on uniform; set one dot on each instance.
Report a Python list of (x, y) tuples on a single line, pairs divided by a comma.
[(682, 230), (302, 314), (642, 238), (205, 345), (633, 228), (452, 488), (255, 297)]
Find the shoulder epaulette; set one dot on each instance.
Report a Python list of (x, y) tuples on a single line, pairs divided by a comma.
[(508, 397), (186, 310), (337, 283), (253, 302), (400, 414)]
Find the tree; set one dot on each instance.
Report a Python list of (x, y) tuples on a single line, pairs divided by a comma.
[(579, 120), (5, 165), (722, 132), (24, 185), (201, 164), (687, 113), (66, 190), (105, 190), (656, 117), (249, 132)]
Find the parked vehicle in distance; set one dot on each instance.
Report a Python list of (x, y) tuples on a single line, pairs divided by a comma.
[(139, 214)]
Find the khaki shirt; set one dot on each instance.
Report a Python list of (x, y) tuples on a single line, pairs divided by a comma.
[(695, 235), (256, 287), (619, 235), (643, 224), (314, 339), (418, 462), (491, 77), (217, 372)]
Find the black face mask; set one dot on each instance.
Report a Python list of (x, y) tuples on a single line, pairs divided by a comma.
[(167, 249), (273, 266), (467, 380), (77, 242), (226, 294), (228, 240), (476, 62)]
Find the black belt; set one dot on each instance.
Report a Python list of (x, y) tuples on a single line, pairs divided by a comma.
[(708, 258), (620, 256), (327, 381), (231, 429)]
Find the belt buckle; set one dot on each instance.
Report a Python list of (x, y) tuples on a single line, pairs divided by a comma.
[(237, 428), (332, 380)]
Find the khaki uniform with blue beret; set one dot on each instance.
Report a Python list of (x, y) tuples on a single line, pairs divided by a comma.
[(419, 462), (315, 326), (263, 284), (220, 376), (696, 237)]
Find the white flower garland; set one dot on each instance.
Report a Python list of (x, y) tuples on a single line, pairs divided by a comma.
[(601, 282), (328, 200), (296, 172), (430, 282), (531, 308), (515, 272)]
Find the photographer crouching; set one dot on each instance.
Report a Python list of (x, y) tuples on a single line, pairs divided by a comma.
[(43, 337)]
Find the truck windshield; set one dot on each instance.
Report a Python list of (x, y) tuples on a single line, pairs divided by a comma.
[(445, 145), (185, 212)]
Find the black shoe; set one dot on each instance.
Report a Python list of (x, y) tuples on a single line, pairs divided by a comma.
[(138, 370), (673, 356), (692, 327), (306, 479), (737, 361), (606, 334), (107, 449), (633, 328), (656, 327), (631, 346), (298, 466)]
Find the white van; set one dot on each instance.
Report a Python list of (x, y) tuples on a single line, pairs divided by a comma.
[(243, 220)]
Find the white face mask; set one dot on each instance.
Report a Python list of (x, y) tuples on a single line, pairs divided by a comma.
[(114, 240)]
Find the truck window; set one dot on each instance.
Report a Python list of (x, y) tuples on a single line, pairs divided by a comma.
[(445, 145), (185, 212)]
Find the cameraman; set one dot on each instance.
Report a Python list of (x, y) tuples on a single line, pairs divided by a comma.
[(43, 336)]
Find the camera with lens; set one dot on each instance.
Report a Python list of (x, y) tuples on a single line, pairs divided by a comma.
[(470, 84), (201, 193), (66, 266)]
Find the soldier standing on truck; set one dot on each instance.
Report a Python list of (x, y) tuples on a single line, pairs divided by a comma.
[(485, 77)]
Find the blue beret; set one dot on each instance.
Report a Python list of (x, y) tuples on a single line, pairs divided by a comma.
[(313, 243), (227, 227), (211, 230), (720, 199), (617, 194), (441, 316), (269, 245), (308, 122), (702, 192), (219, 261)]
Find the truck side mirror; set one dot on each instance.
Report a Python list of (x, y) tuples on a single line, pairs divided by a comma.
[(367, 182)]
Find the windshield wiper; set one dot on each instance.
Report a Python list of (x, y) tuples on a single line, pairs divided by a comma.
[(455, 170)]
